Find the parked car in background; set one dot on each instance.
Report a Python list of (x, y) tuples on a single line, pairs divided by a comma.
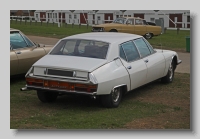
[(104, 65), (151, 23), (129, 25), (23, 52)]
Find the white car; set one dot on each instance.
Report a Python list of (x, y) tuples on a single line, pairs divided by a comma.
[(104, 65)]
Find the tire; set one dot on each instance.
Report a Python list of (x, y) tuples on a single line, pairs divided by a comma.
[(148, 35), (170, 74), (47, 97), (113, 99), (113, 30)]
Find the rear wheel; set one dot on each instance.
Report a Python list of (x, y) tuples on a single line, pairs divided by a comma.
[(148, 35), (113, 99), (46, 96), (170, 75), (113, 30)]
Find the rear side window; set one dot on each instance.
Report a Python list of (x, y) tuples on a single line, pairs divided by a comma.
[(142, 47), (81, 48), (129, 52)]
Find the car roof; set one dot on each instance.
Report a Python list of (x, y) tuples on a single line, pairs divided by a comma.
[(109, 37), (12, 29)]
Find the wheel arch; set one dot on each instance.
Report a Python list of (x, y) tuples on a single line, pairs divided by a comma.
[(123, 87), (113, 29)]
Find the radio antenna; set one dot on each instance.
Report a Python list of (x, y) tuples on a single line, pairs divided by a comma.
[(161, 45)]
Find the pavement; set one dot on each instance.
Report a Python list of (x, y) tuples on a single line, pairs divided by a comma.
[(184, 67)]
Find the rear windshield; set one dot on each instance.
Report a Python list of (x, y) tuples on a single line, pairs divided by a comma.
[(81, 48)]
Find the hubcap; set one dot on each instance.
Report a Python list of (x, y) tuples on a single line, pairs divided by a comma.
[(116, 94), (171, 72), (148, 35)]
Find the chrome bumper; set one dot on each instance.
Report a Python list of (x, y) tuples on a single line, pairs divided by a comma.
[(179, 62), (28, 88)]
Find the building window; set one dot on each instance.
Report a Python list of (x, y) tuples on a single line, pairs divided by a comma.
[(129, 15), (70, 16), (75, 16), (188, 18), (98, 18)]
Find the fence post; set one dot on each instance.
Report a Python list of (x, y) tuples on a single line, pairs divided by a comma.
[(41, 23), (72, 25), (20, 21), (65, 24), (16, 21), (53, 23), (36, 22), (25, 21), (87, 25), (79, 25), (178, 30), (47, 23)]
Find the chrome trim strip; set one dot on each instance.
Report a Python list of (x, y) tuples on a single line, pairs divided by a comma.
[(118, 86), (57, 90)]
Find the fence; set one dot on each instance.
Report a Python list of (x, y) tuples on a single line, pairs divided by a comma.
[(58, 20)]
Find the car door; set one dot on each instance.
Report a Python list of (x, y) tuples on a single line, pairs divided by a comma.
[(154, 61), (26, 52), (128, 27), (13, 62), (135, 66), (140, 28)]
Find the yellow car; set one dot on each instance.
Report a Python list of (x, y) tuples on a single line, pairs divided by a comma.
[(131, 25), (23, 52)]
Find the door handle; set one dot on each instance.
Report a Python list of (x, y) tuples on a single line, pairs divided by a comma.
[(18, 52), (146, 61), (129, 67)]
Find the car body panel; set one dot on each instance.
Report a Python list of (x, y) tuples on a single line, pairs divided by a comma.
[(115, 74), (14, 63), (155, 66), (70, 62), (138, 72)]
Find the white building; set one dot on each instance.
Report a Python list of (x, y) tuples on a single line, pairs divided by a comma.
[(180, 17)]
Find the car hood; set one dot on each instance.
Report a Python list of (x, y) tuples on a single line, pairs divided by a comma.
[(70, 62), (107, 25)]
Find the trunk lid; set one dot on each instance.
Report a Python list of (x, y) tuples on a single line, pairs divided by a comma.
[(70, 63)]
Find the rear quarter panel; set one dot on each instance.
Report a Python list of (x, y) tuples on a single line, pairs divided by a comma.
[(156, 30), (110, 75)]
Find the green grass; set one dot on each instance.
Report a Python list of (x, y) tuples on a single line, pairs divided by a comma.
[(81, 112), (50, 29), (169, 40)]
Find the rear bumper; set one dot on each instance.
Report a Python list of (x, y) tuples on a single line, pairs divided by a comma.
[(27, 88), (179, 62)]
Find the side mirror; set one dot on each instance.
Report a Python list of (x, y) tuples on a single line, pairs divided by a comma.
[(37, 44)]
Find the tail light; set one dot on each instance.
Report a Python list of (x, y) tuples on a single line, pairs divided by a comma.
[(62, 85)]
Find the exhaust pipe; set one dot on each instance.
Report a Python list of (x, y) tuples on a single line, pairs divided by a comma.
[(24, 89), (93, 97)]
